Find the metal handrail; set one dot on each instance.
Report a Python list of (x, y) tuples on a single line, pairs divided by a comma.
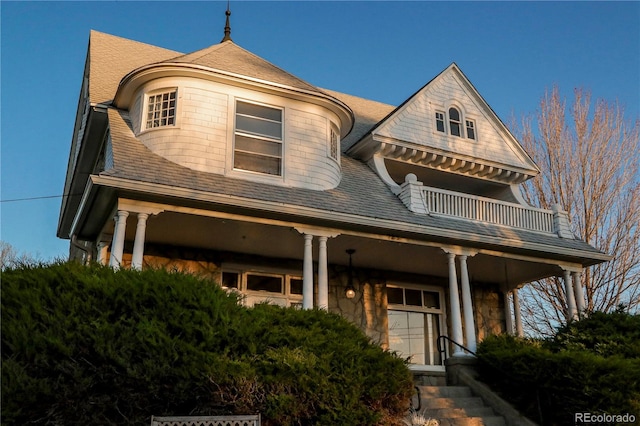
[(443, 350)]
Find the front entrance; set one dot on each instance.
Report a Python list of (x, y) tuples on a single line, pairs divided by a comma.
[(416, 319)]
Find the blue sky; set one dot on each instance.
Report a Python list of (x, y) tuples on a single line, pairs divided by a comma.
[(511, 52)]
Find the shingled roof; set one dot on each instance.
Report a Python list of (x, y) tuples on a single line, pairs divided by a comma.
[(110, 58), (361, 192), (231, 58)]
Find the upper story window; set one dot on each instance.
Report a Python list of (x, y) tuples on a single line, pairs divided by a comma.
[(440, 121), (258, 138), (333, 143), (454, 122), (161, 109), (471, 129)]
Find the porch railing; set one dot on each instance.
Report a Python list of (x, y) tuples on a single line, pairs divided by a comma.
[(455, 204)]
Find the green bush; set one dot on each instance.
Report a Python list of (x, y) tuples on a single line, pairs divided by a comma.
[(549, 381), (612, 334), (87, 345)]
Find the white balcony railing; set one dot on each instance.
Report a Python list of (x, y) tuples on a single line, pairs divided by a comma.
[(455, 204)]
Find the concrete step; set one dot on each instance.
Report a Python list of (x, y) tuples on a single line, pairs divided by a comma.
[(452, 402), (444, 392), (432, 378), (450, 413), (456, 406), (473, 421)]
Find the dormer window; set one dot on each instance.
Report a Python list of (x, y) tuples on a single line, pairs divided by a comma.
[(333, 143), (161, 109), (258, 138), (454, 122)]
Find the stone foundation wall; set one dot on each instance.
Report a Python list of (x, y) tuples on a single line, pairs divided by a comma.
[(488, 304), (368, 309)]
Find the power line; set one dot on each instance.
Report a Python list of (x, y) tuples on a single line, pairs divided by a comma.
[(37, 198)]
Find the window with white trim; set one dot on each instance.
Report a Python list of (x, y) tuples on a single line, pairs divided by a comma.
[(440, 121), (161, 109), (455, 127), (416, 319), (333, 143), (259, 286), (471, 129), (258, 138)]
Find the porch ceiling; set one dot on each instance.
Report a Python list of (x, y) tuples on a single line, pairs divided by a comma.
[(380, 253)]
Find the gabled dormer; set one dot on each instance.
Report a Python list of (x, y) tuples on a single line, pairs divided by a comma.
[(449, 138)]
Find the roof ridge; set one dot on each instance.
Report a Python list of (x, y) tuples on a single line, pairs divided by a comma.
[(204, 51)]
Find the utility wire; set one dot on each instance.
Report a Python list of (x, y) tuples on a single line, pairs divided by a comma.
[(37, 198)]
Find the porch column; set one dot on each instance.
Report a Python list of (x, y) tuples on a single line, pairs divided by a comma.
[(138, 242), (579, 294), (454, 301), (307, 273), (323, 275), (117, 246), (571, 300), (102, 248), (516, 311), (467, 306), (507, 313)]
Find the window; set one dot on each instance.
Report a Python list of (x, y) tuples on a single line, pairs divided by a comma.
[(258, 139), (333, 143), (454, 122), (471, 129), (440, 121), (416, 319), (161, 109), (258, 286)]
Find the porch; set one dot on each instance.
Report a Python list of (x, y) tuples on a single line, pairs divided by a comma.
[(312, 263)]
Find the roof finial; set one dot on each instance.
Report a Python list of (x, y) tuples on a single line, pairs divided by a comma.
[(227, 27)]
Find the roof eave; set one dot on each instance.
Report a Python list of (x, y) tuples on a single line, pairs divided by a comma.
[(132, 81), (348, 220)]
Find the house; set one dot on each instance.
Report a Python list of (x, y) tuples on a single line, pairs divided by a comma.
[(408, 220)]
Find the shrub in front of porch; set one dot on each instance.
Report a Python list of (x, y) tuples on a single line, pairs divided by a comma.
[(86, 345), (579, 371)]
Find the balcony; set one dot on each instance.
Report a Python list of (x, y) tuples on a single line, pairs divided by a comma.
[(448, 203), (427, 200)]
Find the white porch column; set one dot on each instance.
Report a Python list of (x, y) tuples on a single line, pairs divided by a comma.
[(454, 302), (307, 273), (508, 319), (579, 294), (102, 248), (138, 242), (117, 246), (467, 305), (516, 311), (571, 300), (323, 276)]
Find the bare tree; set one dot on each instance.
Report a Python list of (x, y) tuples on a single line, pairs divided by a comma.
[(589, 160)]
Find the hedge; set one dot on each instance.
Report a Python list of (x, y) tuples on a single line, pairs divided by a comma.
[(549, 381), (89, 345)]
